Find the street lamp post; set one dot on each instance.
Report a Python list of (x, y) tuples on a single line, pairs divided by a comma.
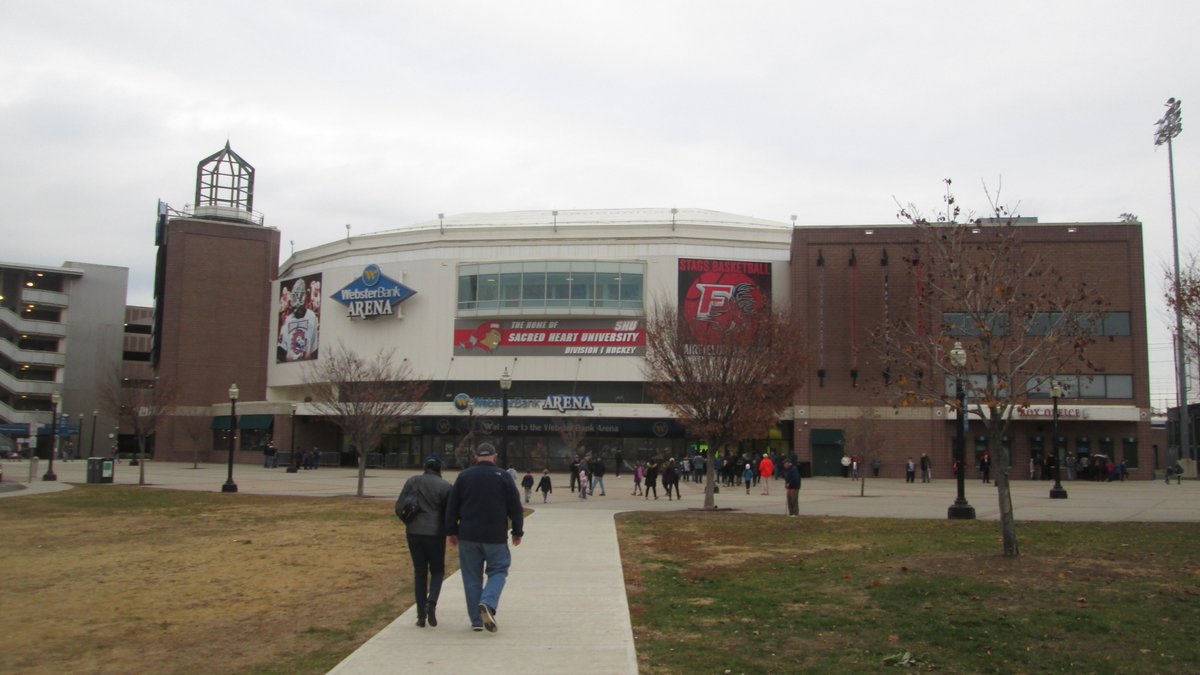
[(294, 465), (95, 416), (1168, 128), (229, 485), (960, 509), (505, 385), (1057, 492), (78, 439), (55, 399)]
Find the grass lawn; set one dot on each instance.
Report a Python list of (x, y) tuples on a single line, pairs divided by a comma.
[(123, 579), (739, 593)]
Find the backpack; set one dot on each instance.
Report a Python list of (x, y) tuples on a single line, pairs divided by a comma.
[(407, 508)]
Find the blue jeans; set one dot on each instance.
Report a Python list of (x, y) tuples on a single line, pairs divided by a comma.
[(597, 482), (474, 558)]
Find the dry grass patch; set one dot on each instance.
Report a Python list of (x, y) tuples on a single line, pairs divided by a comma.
[(122, 579)]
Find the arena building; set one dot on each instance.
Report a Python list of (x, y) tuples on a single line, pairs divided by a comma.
[(555, 301)]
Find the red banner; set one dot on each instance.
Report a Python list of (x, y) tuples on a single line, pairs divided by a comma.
[(557, 337)]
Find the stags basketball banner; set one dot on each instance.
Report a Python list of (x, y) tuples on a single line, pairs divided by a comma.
[(716, 293)]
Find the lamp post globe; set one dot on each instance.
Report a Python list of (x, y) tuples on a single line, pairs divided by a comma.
[(960, 509), (229, 485), (1057, 492)]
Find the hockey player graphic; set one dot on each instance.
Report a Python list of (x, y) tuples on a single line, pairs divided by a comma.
[(300, 328)]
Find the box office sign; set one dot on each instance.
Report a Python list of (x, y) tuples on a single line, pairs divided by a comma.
[(561, 337)]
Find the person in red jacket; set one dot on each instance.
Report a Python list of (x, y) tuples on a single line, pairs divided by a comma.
[(766, 469)]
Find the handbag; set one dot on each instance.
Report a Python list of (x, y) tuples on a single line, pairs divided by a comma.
[(408, 508)]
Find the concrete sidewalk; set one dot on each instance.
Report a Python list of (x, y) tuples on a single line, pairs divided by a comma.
[(565, 606)]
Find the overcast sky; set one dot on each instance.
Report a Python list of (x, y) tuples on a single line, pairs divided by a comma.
[(383, 114)]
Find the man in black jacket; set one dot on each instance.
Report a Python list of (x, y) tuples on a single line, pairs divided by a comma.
[(482, 502), (791, 485)]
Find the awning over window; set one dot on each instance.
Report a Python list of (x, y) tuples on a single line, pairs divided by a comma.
[(245, 422), (254, 422), (828, 437)]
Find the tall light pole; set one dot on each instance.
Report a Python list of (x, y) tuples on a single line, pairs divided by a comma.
[(1057, 492), (960, 509), (92, 451), (1168, 128), (78, 439), (505, 385), (294, 464), (55, 399), (229, 485)]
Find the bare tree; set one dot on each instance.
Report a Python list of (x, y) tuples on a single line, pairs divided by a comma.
[(1187, 304), (1019, 320), (195, 428), (363, 397), (573, 430), (864, 439), (727, 384), (141, 405)]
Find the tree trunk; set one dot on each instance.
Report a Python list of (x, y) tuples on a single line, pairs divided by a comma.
[(141, 460), (362, 470), (1008, 524), (710, 476)]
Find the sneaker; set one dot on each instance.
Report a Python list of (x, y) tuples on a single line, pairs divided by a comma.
[(489, 619), (477, 629)]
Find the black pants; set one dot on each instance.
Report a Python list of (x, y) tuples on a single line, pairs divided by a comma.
[(429, 568)]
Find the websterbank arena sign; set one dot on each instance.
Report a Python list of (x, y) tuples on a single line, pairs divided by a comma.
[(373, 294)]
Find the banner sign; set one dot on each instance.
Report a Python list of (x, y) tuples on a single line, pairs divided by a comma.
[(373, 294), (561, 337), (598, 427), (299, 319), (714, 294)]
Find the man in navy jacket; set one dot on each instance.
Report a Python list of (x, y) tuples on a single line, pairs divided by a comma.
[(482, 503)]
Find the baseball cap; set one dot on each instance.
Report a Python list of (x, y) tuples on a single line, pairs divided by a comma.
[(433, 462), (485, 450)]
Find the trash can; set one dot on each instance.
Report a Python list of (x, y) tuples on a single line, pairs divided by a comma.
[(94, 466), (99, 470)]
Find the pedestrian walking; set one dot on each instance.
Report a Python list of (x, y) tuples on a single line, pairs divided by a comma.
[(651, 479), (544, 485), (597, 467), (426, 537), (748, 477), (670, 479), (926, 468), (527, 484), (638, 474), (766, 468), (910, 471), (482, 505)]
